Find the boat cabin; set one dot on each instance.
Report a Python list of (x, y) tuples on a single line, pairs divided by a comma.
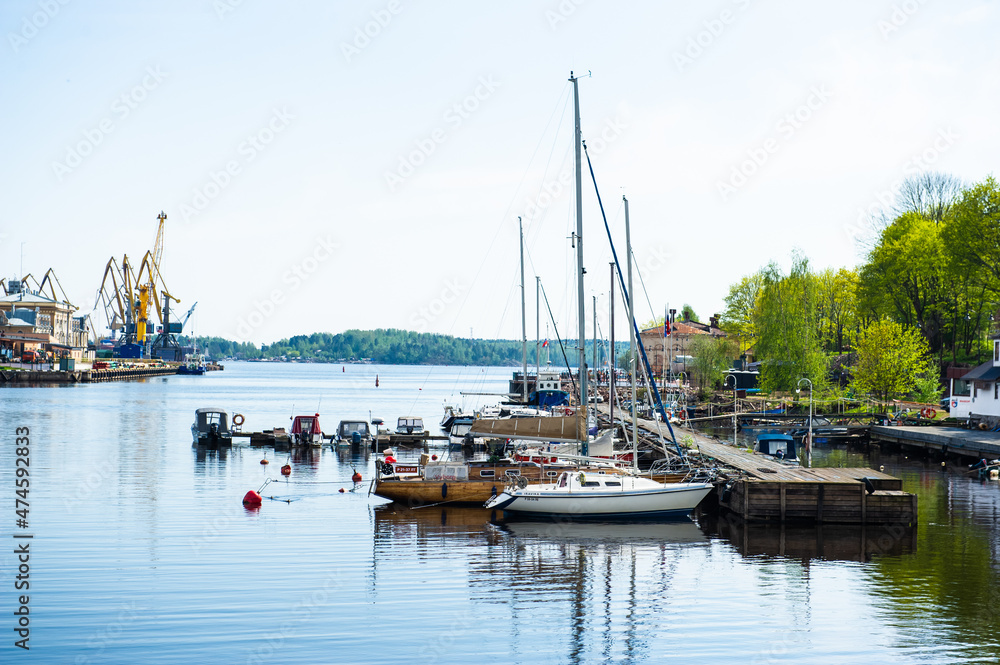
[(306, 430), (410, 425), (211, 426), (777, 445), (353, 431)]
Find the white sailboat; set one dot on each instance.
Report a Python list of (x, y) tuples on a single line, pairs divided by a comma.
[(597, 495)]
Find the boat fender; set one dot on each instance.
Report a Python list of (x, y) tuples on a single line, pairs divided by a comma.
[(252, 500), (869, 485), (444, 490), (494, 492), (238, 419)]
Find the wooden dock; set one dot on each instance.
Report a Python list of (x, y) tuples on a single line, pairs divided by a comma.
[(85, 375), (967, 442), (760, 489)]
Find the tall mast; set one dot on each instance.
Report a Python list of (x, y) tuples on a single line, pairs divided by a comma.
[(581, 320), (538, 329), (524, 328), (631, 332), (611, 360)]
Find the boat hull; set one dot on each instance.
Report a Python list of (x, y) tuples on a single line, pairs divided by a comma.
[(668, 503)]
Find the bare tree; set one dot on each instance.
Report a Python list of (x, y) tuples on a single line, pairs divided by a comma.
[(929, 193)]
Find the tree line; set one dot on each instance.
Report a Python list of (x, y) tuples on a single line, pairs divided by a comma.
[(391, 347)]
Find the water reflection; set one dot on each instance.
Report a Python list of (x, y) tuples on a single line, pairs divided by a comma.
[(836, 542)]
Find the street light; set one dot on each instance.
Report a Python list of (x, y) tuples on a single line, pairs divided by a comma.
[(810, 439), (733, 377)]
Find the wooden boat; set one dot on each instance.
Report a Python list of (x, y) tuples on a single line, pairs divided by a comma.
[(470, 483)]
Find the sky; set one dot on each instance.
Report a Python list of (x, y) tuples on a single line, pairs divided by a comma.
[(329, 165)]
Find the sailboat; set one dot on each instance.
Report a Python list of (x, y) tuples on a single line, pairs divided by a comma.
[(583, 495)]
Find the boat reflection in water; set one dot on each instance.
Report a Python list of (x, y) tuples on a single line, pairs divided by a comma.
[(832, 542)]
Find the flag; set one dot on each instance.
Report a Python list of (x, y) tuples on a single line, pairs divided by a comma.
[(545, 343)]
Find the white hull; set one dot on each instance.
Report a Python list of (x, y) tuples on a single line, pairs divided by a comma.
[(634, 498)]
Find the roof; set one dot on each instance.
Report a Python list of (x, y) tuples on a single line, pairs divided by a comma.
[(687, 328), (209, 409), (18, 322), (985, 372)]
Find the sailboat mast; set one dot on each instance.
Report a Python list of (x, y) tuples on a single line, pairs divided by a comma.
[(611, 360), (631, 332), (524, 329), (597, 383), (581, 314), (538, 329)]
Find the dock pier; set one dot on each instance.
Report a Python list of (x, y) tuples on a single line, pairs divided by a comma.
[(758, 488), (946, 440)]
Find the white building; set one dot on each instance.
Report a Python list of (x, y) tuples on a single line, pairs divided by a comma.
[(984, 385)]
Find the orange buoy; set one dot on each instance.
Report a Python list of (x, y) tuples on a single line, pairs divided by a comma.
[(251, 499), (341, 490), (286, 470), (264, 461), (356, 477)]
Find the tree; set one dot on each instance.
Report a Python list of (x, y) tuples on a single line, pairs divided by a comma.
[(891, 357), (972, 236), (688, 314), (786, 325), (739, 318), (711, 359)]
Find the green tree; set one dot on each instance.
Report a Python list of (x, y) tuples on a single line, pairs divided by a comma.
[(712, 357), (688, 313), (891, 357), (740, 316), (786, 323)]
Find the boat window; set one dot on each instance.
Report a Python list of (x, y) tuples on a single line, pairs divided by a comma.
[(552, 474), (513, 472), (613, 483), (591, 483), (486, 473)]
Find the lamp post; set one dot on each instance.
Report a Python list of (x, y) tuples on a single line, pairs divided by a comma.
[(809, 441), (733, 377)]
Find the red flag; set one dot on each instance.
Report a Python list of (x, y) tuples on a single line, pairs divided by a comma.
[(545, 343)]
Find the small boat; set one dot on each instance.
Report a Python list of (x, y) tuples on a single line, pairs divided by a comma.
[(590, 495), (468, 483), (353, 432), (211, 428), (777, 445), (410, 426), (194, 364), (306, 431)]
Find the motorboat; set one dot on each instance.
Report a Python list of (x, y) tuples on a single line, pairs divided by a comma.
[(194, 364), (211, 428), (599, 495), (306, 431), (410, 426), (778, 445), (353, 432)]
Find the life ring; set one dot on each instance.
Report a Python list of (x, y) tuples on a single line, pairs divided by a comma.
[(568, 411), (929, 413), (238, 419)]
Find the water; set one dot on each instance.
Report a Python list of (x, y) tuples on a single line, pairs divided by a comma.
[(143, 553)]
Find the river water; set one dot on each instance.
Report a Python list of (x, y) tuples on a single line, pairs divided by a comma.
[(142, 552)]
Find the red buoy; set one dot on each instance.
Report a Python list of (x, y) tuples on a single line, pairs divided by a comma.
[(286, 470), (356, 477), (251, 499), (434, 457), (341, 490), (264, 461)]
